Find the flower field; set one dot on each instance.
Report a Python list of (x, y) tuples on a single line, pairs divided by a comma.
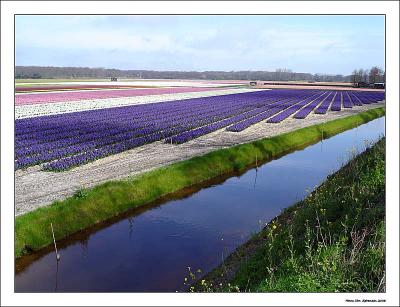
[(45, 88), (40, 109), (63, 141), (27, 99)]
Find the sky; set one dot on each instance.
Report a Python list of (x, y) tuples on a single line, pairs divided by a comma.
[(314, 44)]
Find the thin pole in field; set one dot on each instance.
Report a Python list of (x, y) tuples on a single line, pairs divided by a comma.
[(322, 138), (54, 241)]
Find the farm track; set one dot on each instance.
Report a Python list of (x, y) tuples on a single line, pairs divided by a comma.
[(35, 188)]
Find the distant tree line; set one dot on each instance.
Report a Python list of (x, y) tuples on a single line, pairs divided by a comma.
[(365, 76), (280, 74)]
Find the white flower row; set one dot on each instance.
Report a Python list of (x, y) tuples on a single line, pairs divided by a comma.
[(33, 110), (162, 83)]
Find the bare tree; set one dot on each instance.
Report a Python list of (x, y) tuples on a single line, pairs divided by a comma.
[(365, 76), (354, 77), (376, 74)]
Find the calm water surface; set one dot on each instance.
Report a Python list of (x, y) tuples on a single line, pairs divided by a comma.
[(149, 251)]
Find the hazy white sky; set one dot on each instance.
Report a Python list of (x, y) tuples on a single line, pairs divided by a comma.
[(316, 44)]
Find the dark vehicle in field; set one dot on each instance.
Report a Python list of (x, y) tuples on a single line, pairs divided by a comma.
[(361, 84), (379, 85)]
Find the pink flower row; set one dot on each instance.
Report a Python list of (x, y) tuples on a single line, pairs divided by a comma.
[(74, 87), (28, 99)]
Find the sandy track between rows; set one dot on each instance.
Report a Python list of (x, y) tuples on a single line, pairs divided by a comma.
[(35, 188)]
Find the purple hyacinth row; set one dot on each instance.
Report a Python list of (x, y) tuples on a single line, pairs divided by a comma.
[(346, 101), (355, 100), (67, 140), (324, 106), (192, 134), (145, 126), (337, 102), (293, 109), (304, 108), (122, 124), (272, 110), (68, 162), (304, 112)]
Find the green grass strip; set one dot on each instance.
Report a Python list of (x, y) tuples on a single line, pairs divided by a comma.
[(89, 207)]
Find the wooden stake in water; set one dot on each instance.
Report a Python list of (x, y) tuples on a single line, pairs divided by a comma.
[(55, 245)]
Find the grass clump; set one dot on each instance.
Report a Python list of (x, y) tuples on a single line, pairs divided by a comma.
[(92, 206), (332, 241)]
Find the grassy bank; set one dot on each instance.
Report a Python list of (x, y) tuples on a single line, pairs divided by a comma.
[(89, 207), (333, 241)]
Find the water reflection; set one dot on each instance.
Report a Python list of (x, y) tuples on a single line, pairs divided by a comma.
[(255, 178), (85, 247), (130, 227), (56, 286)]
